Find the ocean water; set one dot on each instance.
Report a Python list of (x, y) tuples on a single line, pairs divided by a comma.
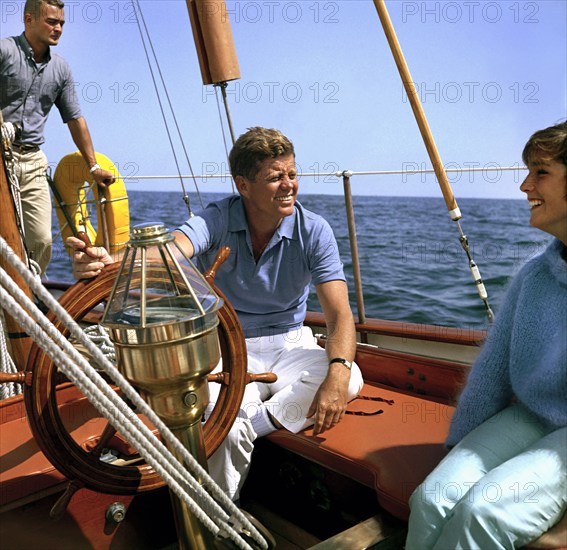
[(412, 263)]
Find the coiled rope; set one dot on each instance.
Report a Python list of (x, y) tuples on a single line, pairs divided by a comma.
[(99, 337), (7, 365), (8, 133), (116, 411)]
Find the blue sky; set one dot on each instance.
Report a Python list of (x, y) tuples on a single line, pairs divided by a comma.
[(488, 73)]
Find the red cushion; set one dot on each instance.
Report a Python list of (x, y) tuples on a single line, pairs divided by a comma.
[(392, 452)]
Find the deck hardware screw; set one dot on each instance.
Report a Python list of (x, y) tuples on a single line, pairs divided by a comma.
[(410, 371), (409, 386), (116, 512), (189, 399), (422, 376)]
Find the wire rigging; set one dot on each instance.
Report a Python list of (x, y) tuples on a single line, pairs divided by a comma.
[(144, 38), (222, 129)]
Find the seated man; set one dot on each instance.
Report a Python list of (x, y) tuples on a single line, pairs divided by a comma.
[(277, 249)]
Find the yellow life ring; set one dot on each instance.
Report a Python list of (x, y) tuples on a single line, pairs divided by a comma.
[(71, 181)]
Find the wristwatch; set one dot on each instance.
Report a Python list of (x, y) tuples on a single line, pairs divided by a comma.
[(94, 168), (346, 363)]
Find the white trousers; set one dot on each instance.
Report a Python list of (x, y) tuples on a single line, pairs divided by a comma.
[(502, 486), (301, 366), (31, 170)]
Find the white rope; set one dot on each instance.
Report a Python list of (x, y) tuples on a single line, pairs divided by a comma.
[(114, 410), (99, 337), (7, 365), (8, 132), (109, 404), (126, 417), (34, 268)]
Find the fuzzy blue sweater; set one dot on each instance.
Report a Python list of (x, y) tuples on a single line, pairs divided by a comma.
[(525, 354)]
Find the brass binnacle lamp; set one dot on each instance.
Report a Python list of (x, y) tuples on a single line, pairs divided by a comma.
[(162, 317)]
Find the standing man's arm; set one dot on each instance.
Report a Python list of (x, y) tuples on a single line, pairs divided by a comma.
[(331, 399), (82, 138)]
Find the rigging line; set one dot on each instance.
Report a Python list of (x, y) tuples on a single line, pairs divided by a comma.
[(185, 196), (223, 132), (223, 85), (179, 133)]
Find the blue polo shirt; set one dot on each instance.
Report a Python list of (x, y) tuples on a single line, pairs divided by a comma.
[(270, 297), (28, 89)]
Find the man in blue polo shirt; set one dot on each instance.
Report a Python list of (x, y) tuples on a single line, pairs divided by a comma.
[(32, 80), (278, 248)]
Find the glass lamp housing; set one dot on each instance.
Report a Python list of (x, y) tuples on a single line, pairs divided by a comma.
[(158, 286)]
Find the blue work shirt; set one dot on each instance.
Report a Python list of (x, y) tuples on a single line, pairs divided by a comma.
[(28, 89), (270, 296)]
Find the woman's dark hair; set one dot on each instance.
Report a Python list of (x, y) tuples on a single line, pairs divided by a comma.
[(547, 144)]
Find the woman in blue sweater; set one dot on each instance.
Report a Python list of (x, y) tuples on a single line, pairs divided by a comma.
[(504, 482)]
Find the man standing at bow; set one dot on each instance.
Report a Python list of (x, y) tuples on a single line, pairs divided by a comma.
[(32, 80)]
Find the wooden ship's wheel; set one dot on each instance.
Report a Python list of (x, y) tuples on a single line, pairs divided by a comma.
[(58, 411)]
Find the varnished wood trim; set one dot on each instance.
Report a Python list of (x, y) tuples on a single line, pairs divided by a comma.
[(451, 335)]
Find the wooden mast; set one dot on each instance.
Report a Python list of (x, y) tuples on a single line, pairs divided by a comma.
[(18, 341)]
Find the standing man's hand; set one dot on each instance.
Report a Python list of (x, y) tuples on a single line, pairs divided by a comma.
[(103, 178)]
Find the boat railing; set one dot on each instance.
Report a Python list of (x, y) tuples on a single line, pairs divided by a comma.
[(339, 173), (346, 176)]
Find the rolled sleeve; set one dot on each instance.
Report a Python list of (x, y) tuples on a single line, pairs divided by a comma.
[(326, 264), (67, 102), (197, 231)]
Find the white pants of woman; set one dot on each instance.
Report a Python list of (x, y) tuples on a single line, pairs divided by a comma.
[(301, 366), (502, 486)]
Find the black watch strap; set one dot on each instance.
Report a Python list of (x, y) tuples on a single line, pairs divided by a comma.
[(346, 363)]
